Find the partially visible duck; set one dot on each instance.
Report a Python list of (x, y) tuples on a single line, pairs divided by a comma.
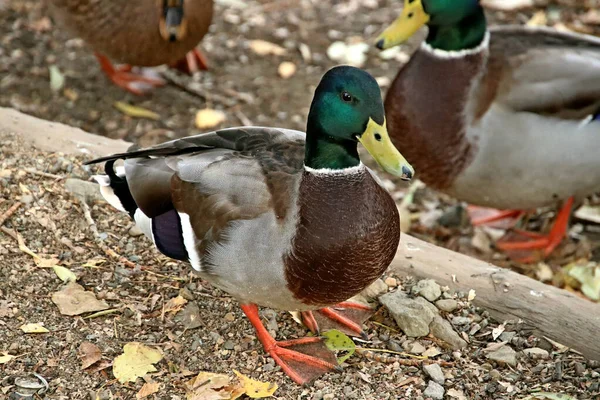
[(504, 118), (276, 217), (141, 33)]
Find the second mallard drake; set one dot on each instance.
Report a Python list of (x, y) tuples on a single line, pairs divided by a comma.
[(504, 118), (143, 33), (273, 216)]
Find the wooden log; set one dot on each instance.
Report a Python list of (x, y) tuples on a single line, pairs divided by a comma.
[(552, 312), (56, 137), (507, 295)]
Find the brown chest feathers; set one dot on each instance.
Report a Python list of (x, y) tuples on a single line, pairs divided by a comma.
[(427, 114), (128, 31), (348, 233)]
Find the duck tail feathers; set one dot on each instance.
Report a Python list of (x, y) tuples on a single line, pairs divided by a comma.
[(115, 190)]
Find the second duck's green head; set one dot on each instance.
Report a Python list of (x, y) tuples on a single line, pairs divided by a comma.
[(453, 24), (346, 109)]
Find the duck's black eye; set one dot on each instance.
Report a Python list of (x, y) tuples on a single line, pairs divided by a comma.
[(347, 97)]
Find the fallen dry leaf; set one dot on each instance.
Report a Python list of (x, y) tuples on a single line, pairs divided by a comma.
[(256, 389), (264, 48), (34, 328), (149, 388), (211, 386), (135, 362), (209, 118), (5, 357), (64, 274), (73, 299), (175, 304), (190, 316), (89, 354), (135, 111)]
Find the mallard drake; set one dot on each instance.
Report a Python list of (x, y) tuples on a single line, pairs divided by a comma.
[(142, 33), (504, 118), (276, 217)]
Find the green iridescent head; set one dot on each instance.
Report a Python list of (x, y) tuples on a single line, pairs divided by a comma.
[(346, 109), (453, 24)]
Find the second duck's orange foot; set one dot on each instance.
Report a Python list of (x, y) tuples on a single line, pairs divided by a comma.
[(503, 219), (123, 77), (346, 317), (301, 359), (193, 62), (531, 247)]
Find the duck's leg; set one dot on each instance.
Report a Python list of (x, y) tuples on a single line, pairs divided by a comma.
[(123, 77), (193, 62), (302, 359), (347, 317), (494, 218), (533, 242)]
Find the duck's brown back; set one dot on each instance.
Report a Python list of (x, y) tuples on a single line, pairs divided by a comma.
[(127, 31)]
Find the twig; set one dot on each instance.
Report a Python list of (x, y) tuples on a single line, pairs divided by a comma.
[(107, 250), (242, 117), (386, 358), (172, 78), (44, 174), (9, 212), (10, 233)]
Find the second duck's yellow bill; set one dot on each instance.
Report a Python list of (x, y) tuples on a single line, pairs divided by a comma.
[(412, 18), (378, 143)]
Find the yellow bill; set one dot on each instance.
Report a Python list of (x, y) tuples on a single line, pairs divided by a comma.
[(412, 18), (377, 142)]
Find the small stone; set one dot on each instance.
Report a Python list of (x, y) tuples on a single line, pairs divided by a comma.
[(412, 316), (428, 288), (460, 321), (579, 369), (135, 231), (435, 372), (186, 294), (434, 391), (413, 347), (375, 290), (495, 374), (88, 191), (505, 355), (537, 353), (507, 336), (442, 329), (229, 317), (329, 396), (447, 305), (228, 345), (391, 282)]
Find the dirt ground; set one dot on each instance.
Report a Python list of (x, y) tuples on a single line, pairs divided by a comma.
[(247, 88)]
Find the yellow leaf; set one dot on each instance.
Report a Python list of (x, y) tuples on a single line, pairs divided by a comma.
[(34, 328), (256, 389), (589, 278), (135, 362), (64, 274), (149, 388), (6, 357), (135, 111), (175, 304), (338, 341), (209, 118)]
